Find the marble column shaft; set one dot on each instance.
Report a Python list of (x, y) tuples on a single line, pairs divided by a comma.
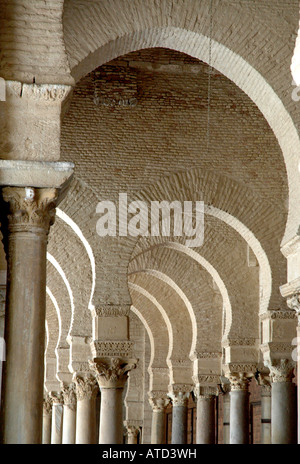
[(57, 418), (86, 392), (158, 425), (30, 212), (206, 420), (69, 414), (239, 409), (266, 415), (283, 403), (111, 374), (179, 416)]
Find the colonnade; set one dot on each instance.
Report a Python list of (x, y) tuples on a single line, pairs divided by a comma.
[(27, 215), (69, 417)]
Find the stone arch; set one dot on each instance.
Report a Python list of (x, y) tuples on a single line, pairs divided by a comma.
[(198, 287), (164, 31), (157, 375), (171, 283)]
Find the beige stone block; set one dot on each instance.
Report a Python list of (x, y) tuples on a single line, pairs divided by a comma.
[(111, 328)]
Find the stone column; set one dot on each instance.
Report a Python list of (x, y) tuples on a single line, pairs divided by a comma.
[(47, 417), (69, 415), (266, 415), (226, 418), (283, 402), (263, 380), (30, 212), (132, 433), (57, 418), (206, 415), (239, 409), (86, 392), (158, 401), (179, 396), (111, 374)]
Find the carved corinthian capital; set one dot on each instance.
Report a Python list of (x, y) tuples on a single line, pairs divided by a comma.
[(158, 400), (56, 397), (179, 394), (281, 370), (239, 381), (293, 302), (86, 386), (112, 372), (29, 208), (47, 405), (69, 394)]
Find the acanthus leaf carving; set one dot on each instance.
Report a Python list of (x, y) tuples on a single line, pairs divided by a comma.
[(86, 386), (69, 394), (281, 370), (30, 207), (112, 372)]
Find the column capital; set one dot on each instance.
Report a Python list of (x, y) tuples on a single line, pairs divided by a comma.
[(56, 397), (86, 386), (239, 381), (133, 428), (30, 208), (281, 370), (179, 394), (47, 404), (158, 400), (112, 372), (293, 302), (69, 394)]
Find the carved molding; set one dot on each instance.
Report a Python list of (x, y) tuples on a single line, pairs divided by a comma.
[(30, 207), (38, 92), (282, 314), (111, 310), (207, 354), (86, 386), (113, 372), (116, 349), (206, 379), (234, 368), (281, 370), (278, 314), (278, 347)]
